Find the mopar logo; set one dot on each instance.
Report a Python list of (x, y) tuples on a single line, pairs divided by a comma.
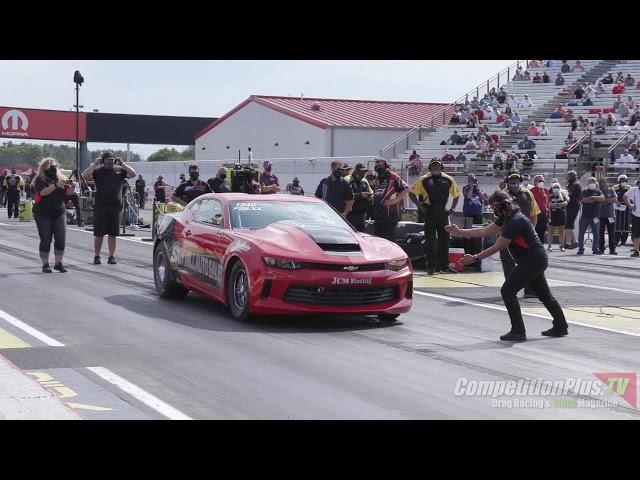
[(15, 120), (350, 268)]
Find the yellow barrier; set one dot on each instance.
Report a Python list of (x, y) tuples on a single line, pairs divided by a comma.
[(26, 210)]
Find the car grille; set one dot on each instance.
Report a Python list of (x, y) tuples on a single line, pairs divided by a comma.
[(332, 267), (340, 295)]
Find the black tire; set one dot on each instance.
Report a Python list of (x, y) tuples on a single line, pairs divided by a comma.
[(165, 286), (238, 293), (388, 317)]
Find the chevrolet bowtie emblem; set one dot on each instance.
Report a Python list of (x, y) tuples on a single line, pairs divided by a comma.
[(350, 268)]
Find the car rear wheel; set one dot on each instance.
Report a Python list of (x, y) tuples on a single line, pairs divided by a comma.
[(238, 293), (165, 286)]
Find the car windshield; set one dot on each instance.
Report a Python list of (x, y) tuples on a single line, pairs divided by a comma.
[(247, 214)]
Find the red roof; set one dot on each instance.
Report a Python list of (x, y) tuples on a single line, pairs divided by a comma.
[(344, 113)]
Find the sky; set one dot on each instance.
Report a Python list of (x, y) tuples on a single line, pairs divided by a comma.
[(210, 88)]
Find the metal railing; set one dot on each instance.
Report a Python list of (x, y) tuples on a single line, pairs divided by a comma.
[(449, 108), (612, 148)]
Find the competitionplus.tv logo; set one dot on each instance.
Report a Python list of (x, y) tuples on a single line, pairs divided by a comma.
[(604, 391)]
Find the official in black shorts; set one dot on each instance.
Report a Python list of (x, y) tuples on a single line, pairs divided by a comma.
[(109, 175)]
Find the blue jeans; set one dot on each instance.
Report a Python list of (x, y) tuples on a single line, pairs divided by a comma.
[(595, 233)]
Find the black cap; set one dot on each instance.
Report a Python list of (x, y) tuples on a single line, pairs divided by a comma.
[(434, 161), (360, 167), (107, 154)]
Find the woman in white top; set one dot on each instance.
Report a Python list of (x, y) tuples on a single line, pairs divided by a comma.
[(543, 131)]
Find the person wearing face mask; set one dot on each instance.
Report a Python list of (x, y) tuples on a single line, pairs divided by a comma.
[(431, 194), (387, 200), (621, 210), (524, 199), (3, 193), (516, 234), (192, 189), (219, 183), (558, 200), (541, 194), (362, 193), (49, 213), (268, 180), (573, 208), (294, 188), (632, 199), (591, 200), (109, 180), (13, 184), (607, 217), (140, 186), (474, 199), (335, 190)]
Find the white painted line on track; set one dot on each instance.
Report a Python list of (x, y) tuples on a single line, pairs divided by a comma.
[(503, 309), (30, 330), (119, 238), (139, 394)]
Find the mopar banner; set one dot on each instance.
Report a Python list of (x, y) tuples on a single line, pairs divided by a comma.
[(26, 123)]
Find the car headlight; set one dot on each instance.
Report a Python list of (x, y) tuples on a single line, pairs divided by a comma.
[(282, 263), (396, 265)]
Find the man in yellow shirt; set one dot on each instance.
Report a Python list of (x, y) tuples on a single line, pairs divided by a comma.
[(431, 193)]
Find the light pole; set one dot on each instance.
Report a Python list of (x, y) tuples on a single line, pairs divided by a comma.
[(78, 79)]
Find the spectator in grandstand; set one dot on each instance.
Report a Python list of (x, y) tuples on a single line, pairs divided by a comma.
[(631, 103), (526, 144), (607, 218), (611, 120), (473, 121), (536, 78), (599, 89), (577, 67), (488, 114), (527, 164), (526, 76), (471, 144), (516, 118), (618, 89), (513, 102), (589, 92), (622, 128), (500, 117), (461, 158), (638, 85), (634, 151), (498, 160), (447, 157), (508, 112), (634, 120), (534, 64), (526, 102), (511, 162), (559, 80), (508, 124), (415, 160), (608, 79), (501, 97), (49, 213), (578, 93), (455, 139), (533, 130), (545, 78), (455, 118), (565, 68), (474, 103), (600, 120), (629, 81), (570, 140), (517, 77), (626, 160), (268, 180), (543, 131), (618, 103)]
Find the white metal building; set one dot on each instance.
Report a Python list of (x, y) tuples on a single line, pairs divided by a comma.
[(288, 127)]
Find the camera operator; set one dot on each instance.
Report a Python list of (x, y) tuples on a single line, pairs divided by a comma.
[(191, 189), (109, 178)]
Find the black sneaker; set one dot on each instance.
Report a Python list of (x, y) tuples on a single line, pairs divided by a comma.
[(111, 261), (96, 260), (580, 252), (430, 271), (60, 268), (635, 254), (598, 253), (46, 269), (555, 332), (513, 337), (613, 253)]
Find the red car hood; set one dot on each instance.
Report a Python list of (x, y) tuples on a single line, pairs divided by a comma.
[(321, 243)]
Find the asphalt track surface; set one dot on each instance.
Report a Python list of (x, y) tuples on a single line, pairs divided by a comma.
[(102, 338)]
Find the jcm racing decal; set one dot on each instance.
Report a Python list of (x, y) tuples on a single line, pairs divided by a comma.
[(351, 281), (206, 266)]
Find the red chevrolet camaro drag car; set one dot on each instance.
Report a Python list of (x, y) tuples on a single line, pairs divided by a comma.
[(278, 255)]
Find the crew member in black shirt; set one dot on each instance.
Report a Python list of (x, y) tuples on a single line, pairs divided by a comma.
[(335, 190), (389, 194), (109, 177), (218, 183), (160, 190), (140, 186), (191, 189), (519, 237), (573, 208), (362, 194)]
